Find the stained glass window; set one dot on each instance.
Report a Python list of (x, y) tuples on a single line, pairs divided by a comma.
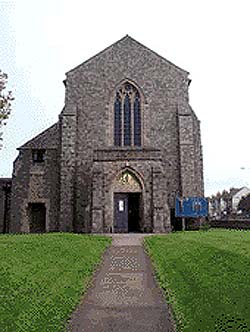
[(137, 120), (127, 116), (118, 121), (127, 121)]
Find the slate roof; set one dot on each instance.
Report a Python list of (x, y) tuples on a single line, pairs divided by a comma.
[(49, 138)]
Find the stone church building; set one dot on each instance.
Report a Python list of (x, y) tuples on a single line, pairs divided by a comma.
[(126, 144)]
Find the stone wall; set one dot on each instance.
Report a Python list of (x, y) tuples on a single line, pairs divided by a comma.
[(36, 182), (75, 181), (191, 166), (68, 142), (91, 89), (5, 193), (152, 178)]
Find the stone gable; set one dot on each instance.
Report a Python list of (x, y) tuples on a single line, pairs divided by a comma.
[(49, 138)]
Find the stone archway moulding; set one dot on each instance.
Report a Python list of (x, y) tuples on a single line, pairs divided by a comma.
[(127, 181)]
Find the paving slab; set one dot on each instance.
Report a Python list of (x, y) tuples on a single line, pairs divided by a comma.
[(124, 295)]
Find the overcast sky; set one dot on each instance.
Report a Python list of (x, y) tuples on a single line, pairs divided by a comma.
[(41, 40)]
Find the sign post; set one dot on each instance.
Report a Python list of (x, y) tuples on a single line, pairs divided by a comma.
[(190, 207), (183, 223)]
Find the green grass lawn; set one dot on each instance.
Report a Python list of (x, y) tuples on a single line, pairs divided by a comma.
[(42, 278), (206, 278)]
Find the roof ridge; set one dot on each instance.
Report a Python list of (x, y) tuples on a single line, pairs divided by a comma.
[(135, 41), (37, 136), (97, 54)]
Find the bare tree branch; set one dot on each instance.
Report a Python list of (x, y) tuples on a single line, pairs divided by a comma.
[(5, 101)]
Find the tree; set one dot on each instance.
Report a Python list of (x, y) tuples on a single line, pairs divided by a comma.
[(5, 101), (227, 198), (244, 204)]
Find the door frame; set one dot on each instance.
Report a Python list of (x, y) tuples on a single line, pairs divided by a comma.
[(140, 210), (138, 226), (116, 188), (117, 197), (32, 207)]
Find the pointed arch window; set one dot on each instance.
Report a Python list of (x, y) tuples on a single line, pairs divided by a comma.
[(137, 120), (118, 121), (127, 116)]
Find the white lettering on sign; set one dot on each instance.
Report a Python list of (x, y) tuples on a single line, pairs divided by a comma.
[(121, 205)]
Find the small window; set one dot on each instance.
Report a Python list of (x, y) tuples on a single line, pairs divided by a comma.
[(38, 156)]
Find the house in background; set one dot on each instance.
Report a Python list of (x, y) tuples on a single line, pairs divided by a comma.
[(244, 191), (225, 204), (216, 206)]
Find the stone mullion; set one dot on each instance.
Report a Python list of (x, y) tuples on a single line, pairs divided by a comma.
[(132, 120), (122, 119)]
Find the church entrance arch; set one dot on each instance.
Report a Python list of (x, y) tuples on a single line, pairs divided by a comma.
[(127, 200)]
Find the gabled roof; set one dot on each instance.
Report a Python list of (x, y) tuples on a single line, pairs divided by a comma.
[(241, 190), (124, 40), (49, 138), (234, 191)]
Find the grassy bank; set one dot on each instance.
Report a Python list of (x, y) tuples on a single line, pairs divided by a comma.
[(42, 278), (206, 278)]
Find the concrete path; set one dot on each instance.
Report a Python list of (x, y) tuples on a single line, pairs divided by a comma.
[(124, 295)]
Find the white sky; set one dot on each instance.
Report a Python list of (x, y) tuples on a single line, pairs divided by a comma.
[(41, 40)]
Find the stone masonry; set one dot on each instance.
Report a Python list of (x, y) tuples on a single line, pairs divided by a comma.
[(5, 194), (77, 179)]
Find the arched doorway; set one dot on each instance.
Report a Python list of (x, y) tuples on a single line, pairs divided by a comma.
[(37, 217), (127, 200)]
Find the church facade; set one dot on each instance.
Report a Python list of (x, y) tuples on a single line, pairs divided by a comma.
[(126, 144)]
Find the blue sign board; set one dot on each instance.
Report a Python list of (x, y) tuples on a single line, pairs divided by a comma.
[(193, 207)]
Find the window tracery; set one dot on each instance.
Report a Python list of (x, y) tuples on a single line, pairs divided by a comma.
[(127, 116)]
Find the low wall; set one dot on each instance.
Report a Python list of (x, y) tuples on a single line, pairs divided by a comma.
[(231, 223)]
